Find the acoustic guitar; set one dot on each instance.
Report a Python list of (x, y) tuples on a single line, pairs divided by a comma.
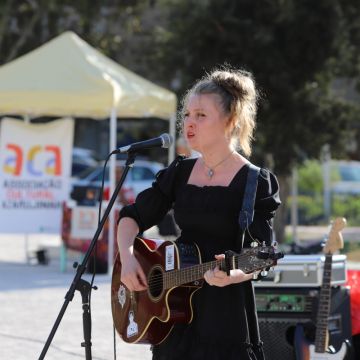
[(320, 349), (174, 272)]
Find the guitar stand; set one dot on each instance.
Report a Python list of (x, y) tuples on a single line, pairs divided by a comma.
[(81, 285)]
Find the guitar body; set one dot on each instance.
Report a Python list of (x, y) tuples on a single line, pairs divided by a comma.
[(148, 316), (305, 349), (174, 272)]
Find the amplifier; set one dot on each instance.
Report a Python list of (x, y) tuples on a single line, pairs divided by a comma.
[(287, 302), (304, 271), (281, 309)]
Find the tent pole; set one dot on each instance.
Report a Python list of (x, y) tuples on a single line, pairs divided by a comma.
[(111, 232), (172, 131), (27, 120)]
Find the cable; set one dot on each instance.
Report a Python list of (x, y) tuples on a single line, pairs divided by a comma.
[(114, 337), (94, 255), (99, 219)]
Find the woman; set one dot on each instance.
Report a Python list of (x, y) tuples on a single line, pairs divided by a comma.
[(218, 116)]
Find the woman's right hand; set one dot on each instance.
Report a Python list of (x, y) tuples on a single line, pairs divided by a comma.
[(132, 275)]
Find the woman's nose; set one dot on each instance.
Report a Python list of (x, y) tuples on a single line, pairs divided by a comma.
[(188, 125), (189, 121)]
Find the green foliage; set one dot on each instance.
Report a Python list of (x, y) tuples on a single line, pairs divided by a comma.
[(347, 207), (310, 178), (310, 209), (310, 199), (294, 48), (108, 24)]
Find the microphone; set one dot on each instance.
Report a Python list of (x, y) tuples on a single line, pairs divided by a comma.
[(163, 141)]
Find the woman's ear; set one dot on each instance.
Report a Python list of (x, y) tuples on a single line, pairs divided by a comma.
[(230, 127)]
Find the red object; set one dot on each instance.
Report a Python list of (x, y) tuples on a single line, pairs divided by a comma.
[(353, 281), (81, 244), (127, 195)]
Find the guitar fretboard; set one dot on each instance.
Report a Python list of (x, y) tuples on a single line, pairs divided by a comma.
[(324, 307), (243, 262)]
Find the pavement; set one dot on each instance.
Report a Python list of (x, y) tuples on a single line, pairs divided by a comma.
[(31, 296)]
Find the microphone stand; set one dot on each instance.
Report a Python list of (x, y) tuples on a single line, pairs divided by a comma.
[(82, 285)]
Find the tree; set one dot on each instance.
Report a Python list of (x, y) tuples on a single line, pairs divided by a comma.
[(107, 25), (294, 48)]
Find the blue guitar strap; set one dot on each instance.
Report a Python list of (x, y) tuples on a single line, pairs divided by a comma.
[(246, 215)]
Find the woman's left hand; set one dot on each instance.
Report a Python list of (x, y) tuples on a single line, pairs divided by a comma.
[(219, 278)]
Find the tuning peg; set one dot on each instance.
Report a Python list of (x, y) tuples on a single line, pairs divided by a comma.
[(263, 254), (264, 273)]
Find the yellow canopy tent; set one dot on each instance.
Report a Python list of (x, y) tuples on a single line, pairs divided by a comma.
[(68, 77)]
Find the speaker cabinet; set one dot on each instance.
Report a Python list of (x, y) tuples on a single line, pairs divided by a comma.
[(281, 309)]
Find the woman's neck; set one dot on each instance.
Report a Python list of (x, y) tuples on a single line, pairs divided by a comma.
[(215, 155)]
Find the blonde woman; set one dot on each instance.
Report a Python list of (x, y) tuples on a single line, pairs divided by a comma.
[(206, 194)]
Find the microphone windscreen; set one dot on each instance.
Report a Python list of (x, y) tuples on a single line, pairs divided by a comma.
[(167, 140)]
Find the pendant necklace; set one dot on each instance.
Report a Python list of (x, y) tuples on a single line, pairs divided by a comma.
[(211, 169)]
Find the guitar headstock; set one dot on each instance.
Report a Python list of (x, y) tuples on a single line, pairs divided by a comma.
[(335, 240), (258, 258)]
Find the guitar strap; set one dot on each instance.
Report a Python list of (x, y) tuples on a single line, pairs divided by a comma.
[(246, 217)]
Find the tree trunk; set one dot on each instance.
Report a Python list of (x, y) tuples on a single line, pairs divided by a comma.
[(282, 212)]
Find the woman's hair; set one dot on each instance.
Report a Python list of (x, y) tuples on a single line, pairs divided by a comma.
[(238, 100)]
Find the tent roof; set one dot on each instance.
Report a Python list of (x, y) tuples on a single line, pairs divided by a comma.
[(66, 76)]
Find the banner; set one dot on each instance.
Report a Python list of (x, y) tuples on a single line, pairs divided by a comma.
[(35, 170)]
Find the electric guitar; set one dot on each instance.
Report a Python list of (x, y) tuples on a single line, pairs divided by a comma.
[(174, 272), (321, 350)]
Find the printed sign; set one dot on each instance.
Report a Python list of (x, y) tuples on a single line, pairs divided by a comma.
[(35, 168)]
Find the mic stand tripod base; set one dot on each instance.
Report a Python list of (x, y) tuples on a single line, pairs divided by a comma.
[(84, 287)]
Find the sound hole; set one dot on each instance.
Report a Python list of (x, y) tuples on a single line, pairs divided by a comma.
[(155, 282)]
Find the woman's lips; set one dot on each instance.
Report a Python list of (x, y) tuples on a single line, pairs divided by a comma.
[(190, 135)]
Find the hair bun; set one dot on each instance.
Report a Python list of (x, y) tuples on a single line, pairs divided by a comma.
[(239, 83)]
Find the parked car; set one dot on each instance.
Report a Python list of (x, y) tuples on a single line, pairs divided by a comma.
[(82, 159), (139, 178)]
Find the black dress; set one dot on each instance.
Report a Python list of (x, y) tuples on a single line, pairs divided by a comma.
[(225, 319)]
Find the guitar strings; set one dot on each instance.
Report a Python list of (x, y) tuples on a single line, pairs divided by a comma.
[(157, 281), (191, 270)]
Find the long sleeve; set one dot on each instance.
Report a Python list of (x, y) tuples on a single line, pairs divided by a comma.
[(152, 204), (266, 202)]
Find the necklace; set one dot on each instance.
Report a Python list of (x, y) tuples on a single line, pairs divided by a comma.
[(211, 169)]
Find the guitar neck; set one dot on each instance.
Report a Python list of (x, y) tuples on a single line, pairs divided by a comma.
[(321, 337), (189, 274), (193, 273)]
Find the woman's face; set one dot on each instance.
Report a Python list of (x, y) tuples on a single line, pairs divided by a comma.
[(204, 122)]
